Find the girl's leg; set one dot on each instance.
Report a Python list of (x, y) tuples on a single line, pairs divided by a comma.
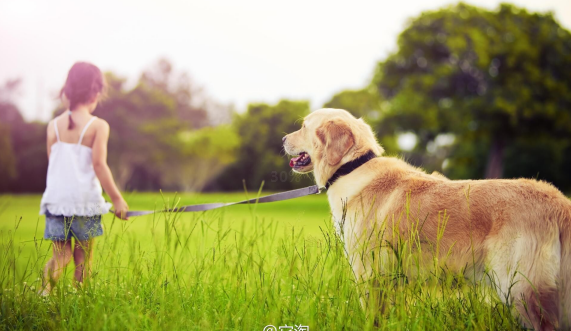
[(55, 266), (82, 256)]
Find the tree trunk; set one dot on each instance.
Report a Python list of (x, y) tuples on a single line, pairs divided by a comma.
[(495, 166)]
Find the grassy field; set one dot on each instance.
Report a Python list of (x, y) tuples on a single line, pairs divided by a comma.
[(238, 268)]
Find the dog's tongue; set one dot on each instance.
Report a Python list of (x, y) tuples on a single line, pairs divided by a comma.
[(293, 161)]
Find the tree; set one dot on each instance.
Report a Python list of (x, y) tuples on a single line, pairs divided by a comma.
[(8, 160), (261, 157), (361, 103), (23, 158), (143, 122), (9, 117), (158, 140), (204, 154), (192, 104), (492, 77)]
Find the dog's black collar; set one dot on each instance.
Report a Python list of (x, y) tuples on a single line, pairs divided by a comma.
[(348, 167)]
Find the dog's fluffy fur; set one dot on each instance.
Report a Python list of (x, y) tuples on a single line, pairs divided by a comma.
[(518, 231)]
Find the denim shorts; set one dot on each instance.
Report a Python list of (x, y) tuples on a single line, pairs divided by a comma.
[(78, 227)]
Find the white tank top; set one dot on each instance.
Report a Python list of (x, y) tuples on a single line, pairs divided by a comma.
[(72, 187)]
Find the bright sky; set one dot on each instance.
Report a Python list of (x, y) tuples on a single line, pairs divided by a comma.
[(239, 51)]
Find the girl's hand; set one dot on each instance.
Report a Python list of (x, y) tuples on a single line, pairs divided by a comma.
[(121, 208)]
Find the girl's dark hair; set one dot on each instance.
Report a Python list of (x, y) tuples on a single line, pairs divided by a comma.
[(83, 82)]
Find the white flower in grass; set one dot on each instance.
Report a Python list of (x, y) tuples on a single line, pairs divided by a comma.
[(25, 283), (32, 288)]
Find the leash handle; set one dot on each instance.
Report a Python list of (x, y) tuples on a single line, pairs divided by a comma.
[(209, 206)]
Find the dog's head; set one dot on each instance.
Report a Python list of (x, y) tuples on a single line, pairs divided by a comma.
[(328, 139)]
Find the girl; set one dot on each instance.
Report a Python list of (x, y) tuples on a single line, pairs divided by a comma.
[(77, 153)]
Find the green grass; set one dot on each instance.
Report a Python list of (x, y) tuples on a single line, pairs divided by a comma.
[(238, 268)]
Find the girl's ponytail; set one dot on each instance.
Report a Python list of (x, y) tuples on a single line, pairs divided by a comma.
[(83, 85), (71, 125)]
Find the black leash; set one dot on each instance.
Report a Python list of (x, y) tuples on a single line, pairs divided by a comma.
[(209, 206), (345, 169)]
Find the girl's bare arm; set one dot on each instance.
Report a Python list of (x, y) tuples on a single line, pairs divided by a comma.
[(51, 137), (99, 155)]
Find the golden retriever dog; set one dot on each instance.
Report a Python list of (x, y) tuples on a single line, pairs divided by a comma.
[(516, 231)]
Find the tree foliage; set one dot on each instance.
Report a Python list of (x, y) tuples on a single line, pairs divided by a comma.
[(23, 160), (159, 138), (487, 94), (157, 134), (261, 157), (361, 103), (189, 100), (8, 160), (204, 154), (496, 78)]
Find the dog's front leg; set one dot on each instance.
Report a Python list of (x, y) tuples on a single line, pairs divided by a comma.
[(371, 280)]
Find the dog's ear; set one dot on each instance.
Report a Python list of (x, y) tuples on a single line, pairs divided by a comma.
[(337, 138)]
